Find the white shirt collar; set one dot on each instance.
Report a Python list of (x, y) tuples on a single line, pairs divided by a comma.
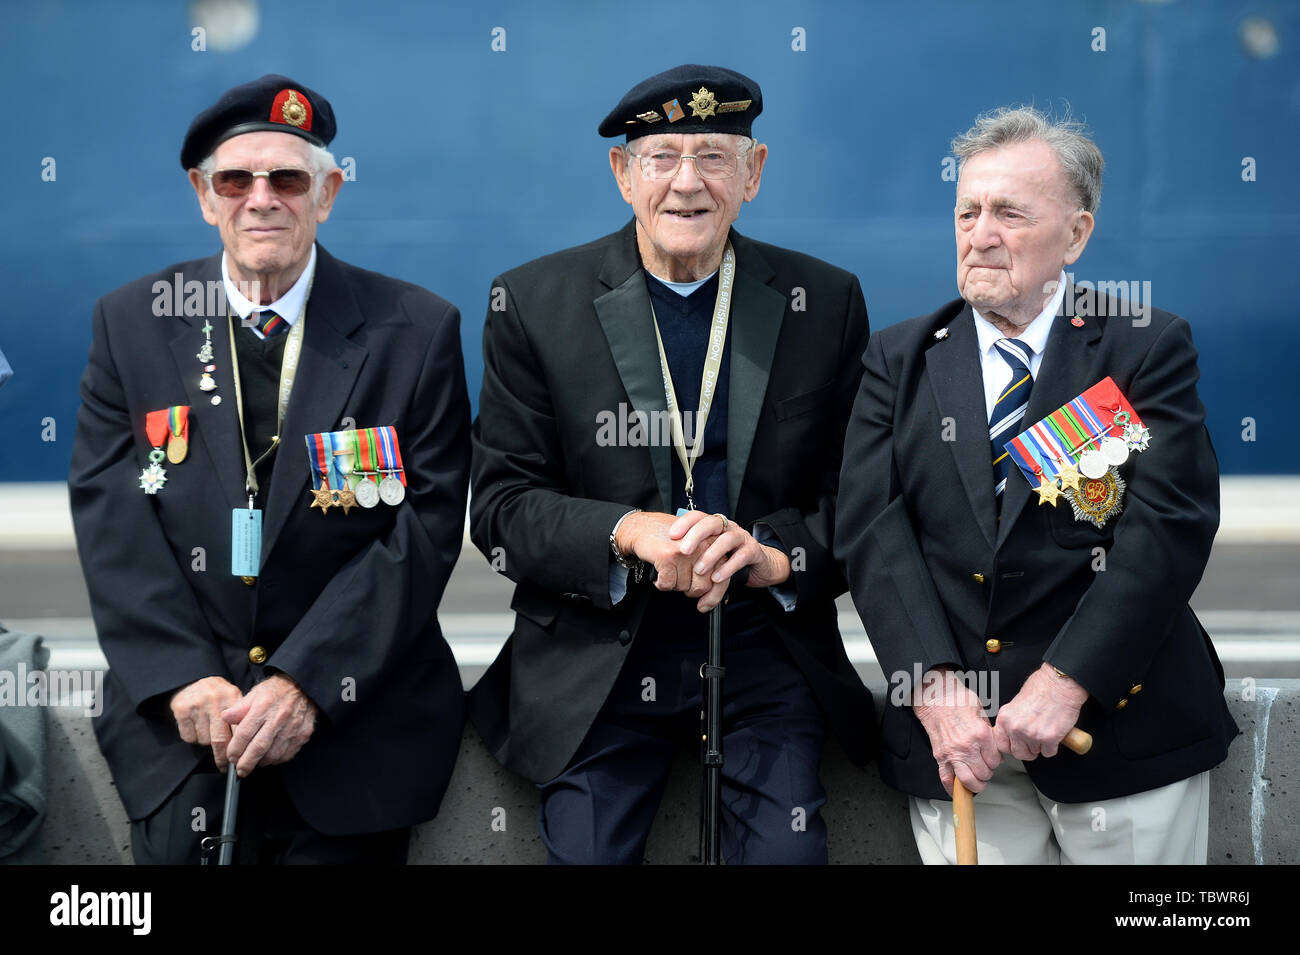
[(288, 306), (1035, 333)]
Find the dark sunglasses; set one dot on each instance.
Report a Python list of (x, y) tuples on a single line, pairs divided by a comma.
[(233, 183)]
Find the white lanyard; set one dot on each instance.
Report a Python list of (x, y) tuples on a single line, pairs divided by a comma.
[(709, 378)]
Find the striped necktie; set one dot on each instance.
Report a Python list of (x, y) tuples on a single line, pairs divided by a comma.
[(1009, 409), (272, 324)]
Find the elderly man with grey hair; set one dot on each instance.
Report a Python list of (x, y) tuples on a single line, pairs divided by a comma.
[(1028, 499), (247, 623)]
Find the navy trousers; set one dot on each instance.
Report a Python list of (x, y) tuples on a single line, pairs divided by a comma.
[(600, 809), (271, 832)]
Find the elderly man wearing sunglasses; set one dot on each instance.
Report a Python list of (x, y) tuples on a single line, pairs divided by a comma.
[(240, 626)]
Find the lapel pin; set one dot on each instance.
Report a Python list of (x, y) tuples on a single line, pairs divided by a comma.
[(1077, 322), (941, 334)]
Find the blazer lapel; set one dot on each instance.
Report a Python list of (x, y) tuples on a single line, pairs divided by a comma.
[(625, 316), (1063, 375), (327, 371), (213, 427), (953, 366), (757, 311)]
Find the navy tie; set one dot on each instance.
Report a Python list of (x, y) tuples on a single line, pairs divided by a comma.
[(1009, 409), (271, 324)]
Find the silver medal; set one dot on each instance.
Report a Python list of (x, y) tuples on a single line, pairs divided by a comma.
[(153, 477), (367, 492), (1092, 463), (1114, 450), (1137, 439), (391, 490)]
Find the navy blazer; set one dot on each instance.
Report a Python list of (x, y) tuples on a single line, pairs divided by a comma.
[(345, 604), (935, 574)]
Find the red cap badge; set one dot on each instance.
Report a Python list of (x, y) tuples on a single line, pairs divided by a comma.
[(291, 108)]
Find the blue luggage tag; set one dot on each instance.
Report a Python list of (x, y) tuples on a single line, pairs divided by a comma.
[(245, 541)]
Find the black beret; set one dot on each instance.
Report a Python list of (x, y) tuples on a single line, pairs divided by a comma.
[(274, 103), (687, 99)]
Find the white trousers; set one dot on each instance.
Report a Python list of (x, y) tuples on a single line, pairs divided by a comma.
[(1015, 824)]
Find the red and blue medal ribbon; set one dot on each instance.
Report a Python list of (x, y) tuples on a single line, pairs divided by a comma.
[(318, 453), (391, 453), (1056, 441)]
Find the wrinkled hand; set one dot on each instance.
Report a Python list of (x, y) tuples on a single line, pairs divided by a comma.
[(197, 709), (646, 535), (1038, 717), (725, 547), (960, 737), (272, 722)]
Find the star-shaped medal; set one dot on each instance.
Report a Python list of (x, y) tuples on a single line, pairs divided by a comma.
[(1070, 476), (346, 499), (152, 478), (1138, 439), (1047, 492), (323, 498)]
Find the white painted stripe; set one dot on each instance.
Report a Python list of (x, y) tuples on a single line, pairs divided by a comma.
[(1284, 623), (1231, 650)]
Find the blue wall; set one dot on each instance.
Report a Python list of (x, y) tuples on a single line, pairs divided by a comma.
[(471, 161)]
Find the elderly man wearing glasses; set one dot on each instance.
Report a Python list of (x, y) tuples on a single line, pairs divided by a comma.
[(258, 606), (622, 522)]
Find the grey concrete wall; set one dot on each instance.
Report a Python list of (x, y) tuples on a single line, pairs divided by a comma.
[(1254, 808)]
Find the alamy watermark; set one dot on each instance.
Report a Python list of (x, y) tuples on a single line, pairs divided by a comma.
[(1124, 298), (936, 687), (24, 687), (631, 428)]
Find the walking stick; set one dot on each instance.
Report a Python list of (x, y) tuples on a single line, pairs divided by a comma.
[(711, 745), (229, 813), (963, 802)]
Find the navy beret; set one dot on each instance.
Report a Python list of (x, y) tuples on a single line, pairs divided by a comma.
[(274, 103), (687, 99)]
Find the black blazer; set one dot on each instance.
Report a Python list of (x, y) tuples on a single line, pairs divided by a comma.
[(935, 575), (340, 597), (569, 336)]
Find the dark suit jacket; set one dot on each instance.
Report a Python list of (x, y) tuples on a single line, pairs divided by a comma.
[(340, 597), (573, 338), (934, 573)]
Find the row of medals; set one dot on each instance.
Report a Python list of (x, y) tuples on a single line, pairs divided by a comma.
[(367, 493), (1095, 462)]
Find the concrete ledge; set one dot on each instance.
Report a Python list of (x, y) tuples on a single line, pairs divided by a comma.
[(1254, 801)]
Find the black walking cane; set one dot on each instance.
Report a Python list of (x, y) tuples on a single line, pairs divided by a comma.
[(229, 813), (711, 745)]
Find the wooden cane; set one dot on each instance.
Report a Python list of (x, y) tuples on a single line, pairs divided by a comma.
[(963, 802), (963, 821)]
